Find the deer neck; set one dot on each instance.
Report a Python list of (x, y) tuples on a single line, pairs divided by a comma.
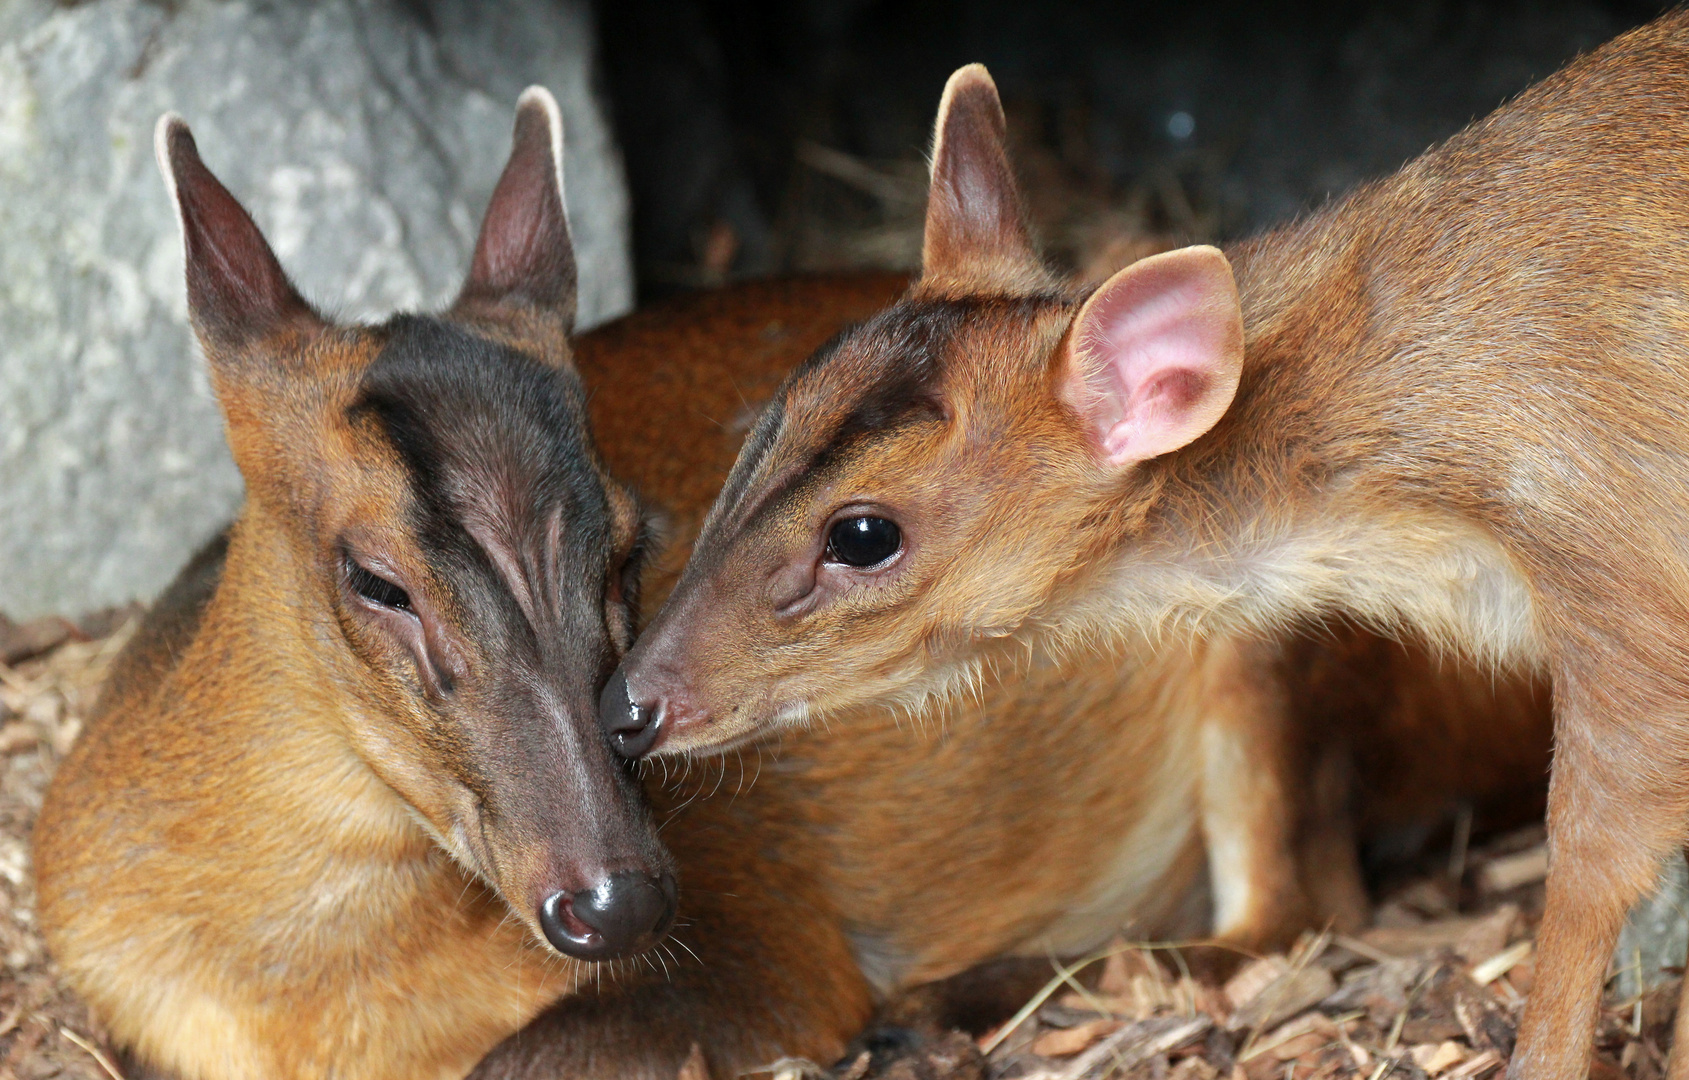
[(1312, 497)]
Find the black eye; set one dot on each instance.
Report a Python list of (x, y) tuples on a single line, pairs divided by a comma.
[(377, 590), (863, 541)]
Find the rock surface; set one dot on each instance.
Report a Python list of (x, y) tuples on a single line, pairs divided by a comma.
[(1655, 939), (364, 135)]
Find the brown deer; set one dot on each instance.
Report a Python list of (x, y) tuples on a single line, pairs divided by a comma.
[(1451, 404), (346, 809), (1174, 792)]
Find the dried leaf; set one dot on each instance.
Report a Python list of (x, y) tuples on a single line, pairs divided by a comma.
[(1135, 1044), (1472, 937), (1321, 1028), (1476, 1066), (1065, 1042), (1283, 998), (1511, 871), (1500, 964), (1437, 1058), (1253, 978)]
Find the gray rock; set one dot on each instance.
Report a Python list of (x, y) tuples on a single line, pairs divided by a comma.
[(1656, 936), (364, 135)]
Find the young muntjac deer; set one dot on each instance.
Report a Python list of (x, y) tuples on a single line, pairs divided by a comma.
[(346, 809), (1451, 403), (1176, 792)]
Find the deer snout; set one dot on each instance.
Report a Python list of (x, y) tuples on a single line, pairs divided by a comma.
[(625, 913), (634, 726)]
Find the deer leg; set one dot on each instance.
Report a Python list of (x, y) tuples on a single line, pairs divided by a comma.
[(1614, 813), (1677, 1062), (1250, 803)]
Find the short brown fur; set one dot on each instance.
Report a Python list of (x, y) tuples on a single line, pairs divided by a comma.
[(1063, 804), (1459, 415), (305, 833), (859, 864)]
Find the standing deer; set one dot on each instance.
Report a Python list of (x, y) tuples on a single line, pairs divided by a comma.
[(1450, 404), (1169, 791)]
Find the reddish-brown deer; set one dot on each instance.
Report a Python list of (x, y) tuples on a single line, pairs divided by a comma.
[(1450, 404), (1174, 792), (346, 809)]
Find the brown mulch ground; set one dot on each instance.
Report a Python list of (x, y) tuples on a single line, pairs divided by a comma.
[(1433, 990), (50, 672)]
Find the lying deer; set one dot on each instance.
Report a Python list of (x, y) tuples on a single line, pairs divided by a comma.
[(345, 809), (1449, 404)]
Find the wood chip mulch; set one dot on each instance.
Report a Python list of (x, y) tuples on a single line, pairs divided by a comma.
[(50, 673), (1432, 991), (1429, 991)]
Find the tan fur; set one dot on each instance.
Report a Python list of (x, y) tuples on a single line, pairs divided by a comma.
[(1459, 417), (1074, 799), (272, 853), (243, 966)]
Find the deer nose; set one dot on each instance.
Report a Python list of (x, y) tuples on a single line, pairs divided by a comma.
[(633, 726), (626, 913)]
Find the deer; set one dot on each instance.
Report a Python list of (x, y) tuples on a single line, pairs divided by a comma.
[(1446, 405), (878, 872), (345, 808)]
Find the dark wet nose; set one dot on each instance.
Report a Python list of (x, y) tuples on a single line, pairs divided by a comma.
[(626, 913), (633, 726)]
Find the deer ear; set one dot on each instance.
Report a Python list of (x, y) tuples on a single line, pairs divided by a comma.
[(237, 291), (976, 225), (524, 260), (1153, 360)]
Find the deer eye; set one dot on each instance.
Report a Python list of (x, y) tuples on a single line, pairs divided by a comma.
[(376, 589), (863, 541)]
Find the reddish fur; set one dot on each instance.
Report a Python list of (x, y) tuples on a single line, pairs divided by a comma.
[(972, 836), (1459, 415)]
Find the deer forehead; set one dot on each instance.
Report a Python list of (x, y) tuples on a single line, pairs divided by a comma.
[(977, 360)]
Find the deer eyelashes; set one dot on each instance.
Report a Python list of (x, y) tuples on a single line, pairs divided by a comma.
[(376, 589)]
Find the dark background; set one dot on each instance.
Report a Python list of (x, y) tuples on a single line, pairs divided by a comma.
[(766, 136)]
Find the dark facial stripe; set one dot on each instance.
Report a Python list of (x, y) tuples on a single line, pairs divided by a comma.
[(485, 430), (895, 364)]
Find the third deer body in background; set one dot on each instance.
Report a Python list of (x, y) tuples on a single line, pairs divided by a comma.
[(1453, 403)]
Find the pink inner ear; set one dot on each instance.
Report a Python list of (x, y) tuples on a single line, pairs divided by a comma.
[(1156, 353)]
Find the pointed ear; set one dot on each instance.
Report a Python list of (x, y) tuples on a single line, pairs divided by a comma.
[(237, 291), (1153, 359), (524, 260), (976, 226)]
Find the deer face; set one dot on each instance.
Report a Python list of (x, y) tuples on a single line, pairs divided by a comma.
[(926, 494), (450, 540)]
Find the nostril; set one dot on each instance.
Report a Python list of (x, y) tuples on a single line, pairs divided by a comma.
[(633, 726), (626, 913), (564, 929)]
